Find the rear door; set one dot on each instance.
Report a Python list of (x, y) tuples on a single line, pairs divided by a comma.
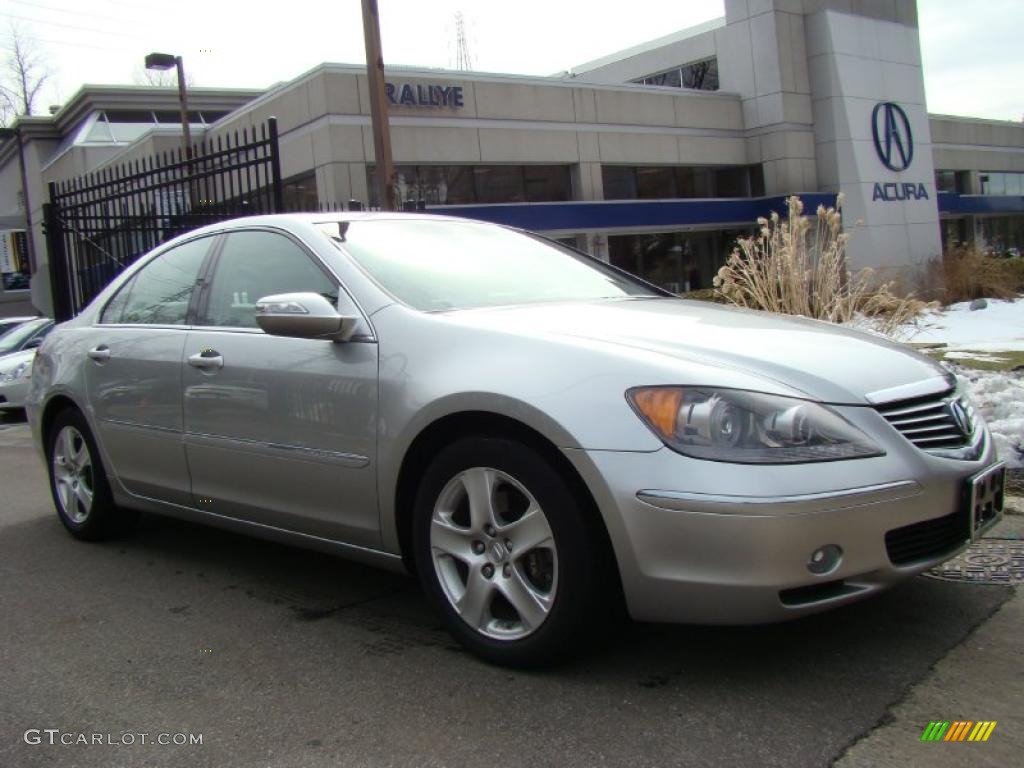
[(133, 373), (279, 431)]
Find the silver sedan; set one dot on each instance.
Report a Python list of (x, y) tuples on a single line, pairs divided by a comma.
[(543, 439)]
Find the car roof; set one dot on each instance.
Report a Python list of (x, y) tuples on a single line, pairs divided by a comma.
[(325, 217)]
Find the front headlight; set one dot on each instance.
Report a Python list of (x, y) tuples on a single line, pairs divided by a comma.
[(748, 427), (20, 371)]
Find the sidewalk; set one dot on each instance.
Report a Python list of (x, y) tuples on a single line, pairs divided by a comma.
[(981, 679)]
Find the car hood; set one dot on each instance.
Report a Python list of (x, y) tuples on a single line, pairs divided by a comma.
[(826, 362)]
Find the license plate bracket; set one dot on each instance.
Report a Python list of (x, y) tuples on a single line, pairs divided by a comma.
[(985, 494)]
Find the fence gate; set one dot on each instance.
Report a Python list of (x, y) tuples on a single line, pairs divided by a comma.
[(98, 224)]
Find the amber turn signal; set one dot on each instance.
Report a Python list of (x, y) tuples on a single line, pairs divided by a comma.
[(659, 406)]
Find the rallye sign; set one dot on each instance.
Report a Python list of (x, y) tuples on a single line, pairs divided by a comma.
[(424, 95)]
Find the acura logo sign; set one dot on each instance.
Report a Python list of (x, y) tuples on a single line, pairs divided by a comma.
[(894, 142)]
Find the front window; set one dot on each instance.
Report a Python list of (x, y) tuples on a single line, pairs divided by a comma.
[(254, 264), (442, 265)]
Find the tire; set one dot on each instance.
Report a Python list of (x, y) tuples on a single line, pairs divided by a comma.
[(78, 481), (517, 577)]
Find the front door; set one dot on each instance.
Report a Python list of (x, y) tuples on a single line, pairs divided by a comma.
[(279, 431)]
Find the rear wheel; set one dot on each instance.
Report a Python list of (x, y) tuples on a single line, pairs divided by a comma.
[(78, 481), (506, 553)]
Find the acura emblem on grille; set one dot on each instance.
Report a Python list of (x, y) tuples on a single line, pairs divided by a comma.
[(959, 415)]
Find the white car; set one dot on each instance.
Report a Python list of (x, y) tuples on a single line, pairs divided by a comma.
[(15, 373)]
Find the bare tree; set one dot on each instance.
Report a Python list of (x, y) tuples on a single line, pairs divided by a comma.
[(161, 78), (24, 73)]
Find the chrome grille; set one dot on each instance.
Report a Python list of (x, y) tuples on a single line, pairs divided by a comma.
[(934, 422)]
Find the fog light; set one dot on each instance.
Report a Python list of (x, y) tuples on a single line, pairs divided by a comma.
[(825, 559)]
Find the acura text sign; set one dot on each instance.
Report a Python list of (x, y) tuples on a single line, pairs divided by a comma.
[(894, 144), (424, 95)]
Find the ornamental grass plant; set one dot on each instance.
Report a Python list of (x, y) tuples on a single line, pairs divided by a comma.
[(797, 266), (964, 273)]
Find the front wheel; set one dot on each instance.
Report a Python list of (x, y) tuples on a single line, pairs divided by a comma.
[(505, 551)]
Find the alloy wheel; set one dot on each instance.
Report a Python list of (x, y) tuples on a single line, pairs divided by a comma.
[(494, 553), (73, 474)]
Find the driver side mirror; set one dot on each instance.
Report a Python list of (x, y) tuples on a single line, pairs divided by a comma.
[(33, 343), (303, 316)]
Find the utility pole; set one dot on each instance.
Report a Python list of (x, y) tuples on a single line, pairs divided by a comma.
[(378, 106)]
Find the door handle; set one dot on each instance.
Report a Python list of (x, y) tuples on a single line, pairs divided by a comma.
[(207, 359), (100, 354)]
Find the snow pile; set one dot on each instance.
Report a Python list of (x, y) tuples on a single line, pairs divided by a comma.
[(999, 398), (1000, 324)]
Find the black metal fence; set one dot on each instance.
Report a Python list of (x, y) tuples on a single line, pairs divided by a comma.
[(98, 224)]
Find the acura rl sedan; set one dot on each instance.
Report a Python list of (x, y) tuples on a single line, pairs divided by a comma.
[(543, 439)]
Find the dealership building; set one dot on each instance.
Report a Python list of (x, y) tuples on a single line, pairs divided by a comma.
[(654, 158)]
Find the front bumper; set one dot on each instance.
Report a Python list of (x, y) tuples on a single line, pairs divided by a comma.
[(13, 393), (734, 547)]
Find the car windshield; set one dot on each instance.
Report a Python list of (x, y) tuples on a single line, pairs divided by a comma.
[(12, 341), (6, 326), (441, 265)]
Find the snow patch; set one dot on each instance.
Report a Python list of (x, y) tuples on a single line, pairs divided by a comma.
[(957, 324)]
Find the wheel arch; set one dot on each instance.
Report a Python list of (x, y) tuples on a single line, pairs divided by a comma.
[(54, 405), (453, 426)]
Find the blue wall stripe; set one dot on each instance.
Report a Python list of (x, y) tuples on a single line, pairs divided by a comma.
[(951, 202), (616, 214)]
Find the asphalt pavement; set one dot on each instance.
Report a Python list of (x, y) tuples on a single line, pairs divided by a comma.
[(280, 657)]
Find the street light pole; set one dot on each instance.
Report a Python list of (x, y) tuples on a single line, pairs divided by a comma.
[(163, 61), (378, 106), (186, 135)]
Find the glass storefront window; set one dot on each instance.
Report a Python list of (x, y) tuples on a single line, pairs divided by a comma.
[(655, 183), (757, 180), (1002, 183), (1002, 233), (619, 182), (695, 182), (731, 182), (471, 184), (623, 182), (676, 261), (547, 183), (499, 184), (993, 184), (945, 181)]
